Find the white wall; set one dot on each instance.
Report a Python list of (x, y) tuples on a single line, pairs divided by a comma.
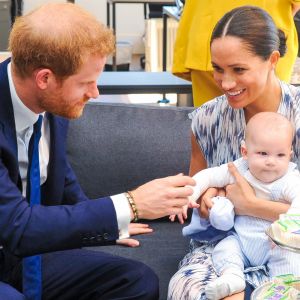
[(129, 18)]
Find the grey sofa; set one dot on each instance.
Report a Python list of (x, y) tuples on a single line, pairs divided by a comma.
[(116, 147)]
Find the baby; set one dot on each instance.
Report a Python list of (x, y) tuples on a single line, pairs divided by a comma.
[(266, 165)]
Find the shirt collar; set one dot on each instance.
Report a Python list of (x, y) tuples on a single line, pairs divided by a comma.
[(24, 117)]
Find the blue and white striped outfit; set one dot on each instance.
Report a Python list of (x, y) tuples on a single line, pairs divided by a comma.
[(248, 245), (219, 131)]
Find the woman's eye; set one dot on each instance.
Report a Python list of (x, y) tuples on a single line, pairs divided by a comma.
[(239, 70), (217, 69)]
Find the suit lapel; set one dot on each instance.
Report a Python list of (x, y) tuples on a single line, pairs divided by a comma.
[(58, 131), (7, 120), (51, 190)]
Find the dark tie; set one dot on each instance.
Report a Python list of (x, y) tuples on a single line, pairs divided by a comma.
[(32, 272)]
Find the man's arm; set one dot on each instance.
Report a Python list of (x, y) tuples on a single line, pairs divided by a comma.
[(162, 197), (26, 230)]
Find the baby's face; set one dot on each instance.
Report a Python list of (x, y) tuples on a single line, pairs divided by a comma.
[(268, 155)]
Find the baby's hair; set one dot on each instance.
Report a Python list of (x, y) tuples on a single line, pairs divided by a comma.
[(268, 122)]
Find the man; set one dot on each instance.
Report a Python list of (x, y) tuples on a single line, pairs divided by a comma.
[(58, 52)]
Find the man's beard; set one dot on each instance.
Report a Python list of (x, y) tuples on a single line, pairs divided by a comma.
[(56, 104)]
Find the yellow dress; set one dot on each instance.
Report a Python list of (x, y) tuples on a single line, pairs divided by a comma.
[(192, 59)]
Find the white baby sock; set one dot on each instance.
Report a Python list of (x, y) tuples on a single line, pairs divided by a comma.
[(230, 282)]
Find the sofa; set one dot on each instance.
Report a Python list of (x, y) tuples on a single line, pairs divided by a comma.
[(116, 147)]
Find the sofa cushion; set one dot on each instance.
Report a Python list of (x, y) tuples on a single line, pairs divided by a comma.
[(161, 250), (117, 147)]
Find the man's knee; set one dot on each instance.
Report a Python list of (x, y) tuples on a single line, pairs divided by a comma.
[(140, 281), (126, 279), (8, 292), (149, 282)]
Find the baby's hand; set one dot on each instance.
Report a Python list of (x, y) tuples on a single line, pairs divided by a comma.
[(193, 204), (181, 217)]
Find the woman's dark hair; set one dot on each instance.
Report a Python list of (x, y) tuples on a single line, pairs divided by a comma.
[(255, 27)]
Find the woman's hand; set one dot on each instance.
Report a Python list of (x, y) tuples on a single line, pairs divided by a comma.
[(206, 201), (246, 203), (134, 229), (241, 194)]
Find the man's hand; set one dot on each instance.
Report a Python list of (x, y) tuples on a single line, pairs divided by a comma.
[(163, 197), (134, 229), (240, 193)]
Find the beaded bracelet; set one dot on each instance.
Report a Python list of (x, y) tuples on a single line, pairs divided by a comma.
[(133, 206)]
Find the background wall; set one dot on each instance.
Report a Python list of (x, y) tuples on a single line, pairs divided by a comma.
[(129, 18)]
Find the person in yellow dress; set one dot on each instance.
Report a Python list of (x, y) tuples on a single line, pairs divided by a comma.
[(192, 59)]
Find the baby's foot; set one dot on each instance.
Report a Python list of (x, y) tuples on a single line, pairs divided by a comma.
[(225, 285)]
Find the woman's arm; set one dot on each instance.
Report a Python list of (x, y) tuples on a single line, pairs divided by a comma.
[(238, 296), (295, 9), (245, 202), (197, 162), (240, 194)]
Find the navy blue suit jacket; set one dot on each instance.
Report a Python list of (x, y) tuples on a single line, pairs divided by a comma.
[(67, 218)]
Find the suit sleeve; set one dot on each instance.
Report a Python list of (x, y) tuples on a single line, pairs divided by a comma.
[(26, 230)]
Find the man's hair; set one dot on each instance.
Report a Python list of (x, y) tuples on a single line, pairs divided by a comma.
[(58, 36)]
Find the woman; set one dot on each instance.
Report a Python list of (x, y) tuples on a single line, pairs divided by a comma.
[(245, 48), (191, 50)]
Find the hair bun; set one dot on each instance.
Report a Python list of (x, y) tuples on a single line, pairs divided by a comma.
[(282, 43)]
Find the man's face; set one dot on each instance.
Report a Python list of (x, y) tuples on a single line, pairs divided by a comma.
[(68, 98)]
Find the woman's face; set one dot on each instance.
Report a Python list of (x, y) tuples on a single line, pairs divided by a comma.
[(243, 76)]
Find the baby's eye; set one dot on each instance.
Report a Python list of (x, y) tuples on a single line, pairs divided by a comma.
[(262, 153), (281, 155)]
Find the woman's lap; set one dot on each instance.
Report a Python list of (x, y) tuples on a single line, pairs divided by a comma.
[(196, 271)]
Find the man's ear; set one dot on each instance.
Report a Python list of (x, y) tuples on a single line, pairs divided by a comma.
[(43, 77), (244, 150)]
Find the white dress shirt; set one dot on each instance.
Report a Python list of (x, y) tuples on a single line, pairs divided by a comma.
[(24, 121)]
